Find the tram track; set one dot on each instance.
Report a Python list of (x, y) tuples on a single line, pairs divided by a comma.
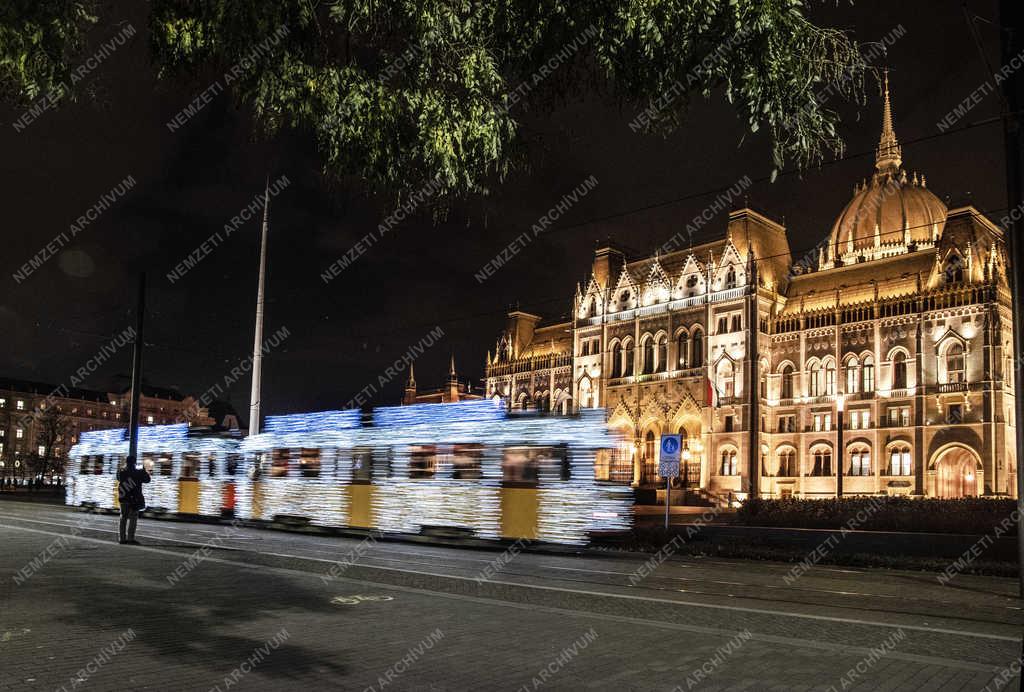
[(985, 609)]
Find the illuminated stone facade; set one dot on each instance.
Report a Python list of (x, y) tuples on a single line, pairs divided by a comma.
[(22, 402), (901, 318)]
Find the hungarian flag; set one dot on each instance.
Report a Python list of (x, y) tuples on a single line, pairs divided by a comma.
[(711, 395)]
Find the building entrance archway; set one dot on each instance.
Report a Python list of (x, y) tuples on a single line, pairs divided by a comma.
[(957, 472)]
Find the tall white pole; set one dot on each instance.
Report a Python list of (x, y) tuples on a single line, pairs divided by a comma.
[(257, 351)]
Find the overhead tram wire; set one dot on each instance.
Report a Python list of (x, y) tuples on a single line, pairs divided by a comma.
[(407, 327), (562, 298), (149, 343), (449, 320), (764, 178), (656, 205)]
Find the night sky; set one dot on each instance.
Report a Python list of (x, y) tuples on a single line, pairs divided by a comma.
[(343, 335)]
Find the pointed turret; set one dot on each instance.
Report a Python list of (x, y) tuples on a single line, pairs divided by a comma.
[(453, 382), (409, 397), (889, 155)]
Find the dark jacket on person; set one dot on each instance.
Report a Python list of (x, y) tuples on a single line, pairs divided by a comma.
[(129, 487)]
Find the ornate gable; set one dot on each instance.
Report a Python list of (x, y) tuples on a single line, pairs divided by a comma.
[(626, 293), (692, 269), (658, 287), (731, 261), (590, 302)]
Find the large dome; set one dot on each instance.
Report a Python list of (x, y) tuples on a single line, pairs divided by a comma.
[(891, 210)]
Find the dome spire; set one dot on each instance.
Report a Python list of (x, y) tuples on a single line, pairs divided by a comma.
[(889, 155)]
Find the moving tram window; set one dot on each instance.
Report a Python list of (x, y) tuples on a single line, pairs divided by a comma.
[(164, 462), (362, 465), (369, 464), (309, 463), (603, 465), (466, 461), (528, 466), (189, 466), (422, 461), (92, 465), (232, 463), (519, 467), (279, 462)]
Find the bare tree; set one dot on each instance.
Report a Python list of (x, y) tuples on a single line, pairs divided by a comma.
[(49, 458)]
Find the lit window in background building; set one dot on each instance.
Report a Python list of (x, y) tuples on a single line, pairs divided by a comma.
[(20, 405)]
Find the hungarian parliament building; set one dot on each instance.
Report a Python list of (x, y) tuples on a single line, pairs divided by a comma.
[(887, 358)]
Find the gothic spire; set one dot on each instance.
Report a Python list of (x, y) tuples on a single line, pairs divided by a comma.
[(889, 155)]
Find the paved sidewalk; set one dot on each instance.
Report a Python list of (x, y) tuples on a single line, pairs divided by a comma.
[(90, 614)]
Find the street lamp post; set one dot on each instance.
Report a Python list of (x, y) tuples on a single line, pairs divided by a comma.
[(840, 405)]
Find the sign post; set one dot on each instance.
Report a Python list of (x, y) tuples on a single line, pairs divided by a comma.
[(668, 466)]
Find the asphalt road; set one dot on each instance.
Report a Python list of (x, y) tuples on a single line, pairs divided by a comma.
[(203, 606)]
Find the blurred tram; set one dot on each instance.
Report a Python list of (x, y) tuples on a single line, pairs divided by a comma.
[(462, 469), (192, 471)]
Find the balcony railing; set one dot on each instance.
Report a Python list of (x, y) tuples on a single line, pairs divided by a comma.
[(949, 387)]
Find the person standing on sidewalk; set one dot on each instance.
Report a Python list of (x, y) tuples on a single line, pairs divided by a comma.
[(129, 495)]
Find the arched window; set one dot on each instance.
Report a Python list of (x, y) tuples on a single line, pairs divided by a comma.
[(830, 378), (860, 461), (728, 466), (955, 363), (787, 463), (814, 379), (867, 373), (697, 348), (649, 446), (587, 309), (852, 376), (647, 365), (726, 379), (662, 353), (681, 348), (787, 381), (822, 462), (899, 370), (953, 269), (587, 398), (628, 357), (899, 461), (730, 278), (616, 360)]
